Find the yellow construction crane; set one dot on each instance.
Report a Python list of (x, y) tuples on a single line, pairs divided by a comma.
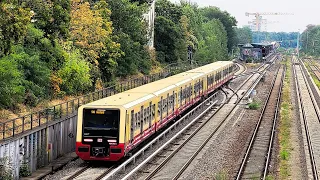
[(258, 21)]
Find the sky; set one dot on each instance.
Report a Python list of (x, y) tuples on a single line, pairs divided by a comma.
[(304, 12)]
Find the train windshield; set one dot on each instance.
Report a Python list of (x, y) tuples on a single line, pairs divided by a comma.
[(101, 122)]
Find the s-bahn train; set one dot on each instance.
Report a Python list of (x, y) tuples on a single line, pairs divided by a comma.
[(109, 128)]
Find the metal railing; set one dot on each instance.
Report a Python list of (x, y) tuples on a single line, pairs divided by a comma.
[(59, 112)]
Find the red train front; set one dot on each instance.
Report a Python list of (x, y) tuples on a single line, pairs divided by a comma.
[(98, 134)]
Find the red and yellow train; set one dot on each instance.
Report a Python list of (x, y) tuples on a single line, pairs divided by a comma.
[(110, 128)]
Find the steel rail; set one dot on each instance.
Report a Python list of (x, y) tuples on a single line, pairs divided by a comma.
[(308, 138), (252, 139), (185, 166), (274, 125), (132, 159), (190, 137), (76, 174)]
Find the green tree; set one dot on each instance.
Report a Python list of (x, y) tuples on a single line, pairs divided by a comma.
[(52, 17), (167, 39), (172, 33), (75, 74), (35, 74), (11, 89), (169, 10), (13, 25), (310, 40), (195, 18), (50, 52), (131, 32), (226, 19), (244, 35), (213, 47)]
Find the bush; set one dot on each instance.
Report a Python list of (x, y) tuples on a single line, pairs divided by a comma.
[(254, 105), (75, 74), (36, 74), (24, 170), (11, 89)]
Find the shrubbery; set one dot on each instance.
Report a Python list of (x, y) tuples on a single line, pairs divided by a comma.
[(75, 74)]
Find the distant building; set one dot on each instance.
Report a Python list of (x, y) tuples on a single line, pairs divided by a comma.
[(149, 17), (255, 52)]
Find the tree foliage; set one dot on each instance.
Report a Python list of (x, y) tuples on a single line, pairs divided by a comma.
[(244, 35), (13, 26), (310, 40), (226, 19), (288, 40), (75, 74), (50, 48), (213, 46), (131, 32), (11, 89), (52, 17)]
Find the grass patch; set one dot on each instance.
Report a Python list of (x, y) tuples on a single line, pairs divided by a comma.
[(221, 176), (314, 77), (254, 105), (285, 124)]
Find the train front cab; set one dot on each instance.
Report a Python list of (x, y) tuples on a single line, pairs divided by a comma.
[(98, 133)]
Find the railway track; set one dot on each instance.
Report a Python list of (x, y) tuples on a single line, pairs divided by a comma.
[(173, 158), (242, 69), (309, 116), (90, 172), (257, 157), (314, 68)]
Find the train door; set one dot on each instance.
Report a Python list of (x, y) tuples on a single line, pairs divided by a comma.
[(141, 120), (132, 126)]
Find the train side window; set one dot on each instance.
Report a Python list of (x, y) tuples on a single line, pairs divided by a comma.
[(132, 120), (139, 120), (180, 95), (176, 97), (159, 107), (145, 116), (153, 110), (136, 120)]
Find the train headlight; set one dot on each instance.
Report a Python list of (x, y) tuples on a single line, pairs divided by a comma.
[(88, 140)]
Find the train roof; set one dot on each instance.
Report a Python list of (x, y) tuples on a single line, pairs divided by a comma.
[(145, 92), (122, 99), (162, 85), (211, 67)]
